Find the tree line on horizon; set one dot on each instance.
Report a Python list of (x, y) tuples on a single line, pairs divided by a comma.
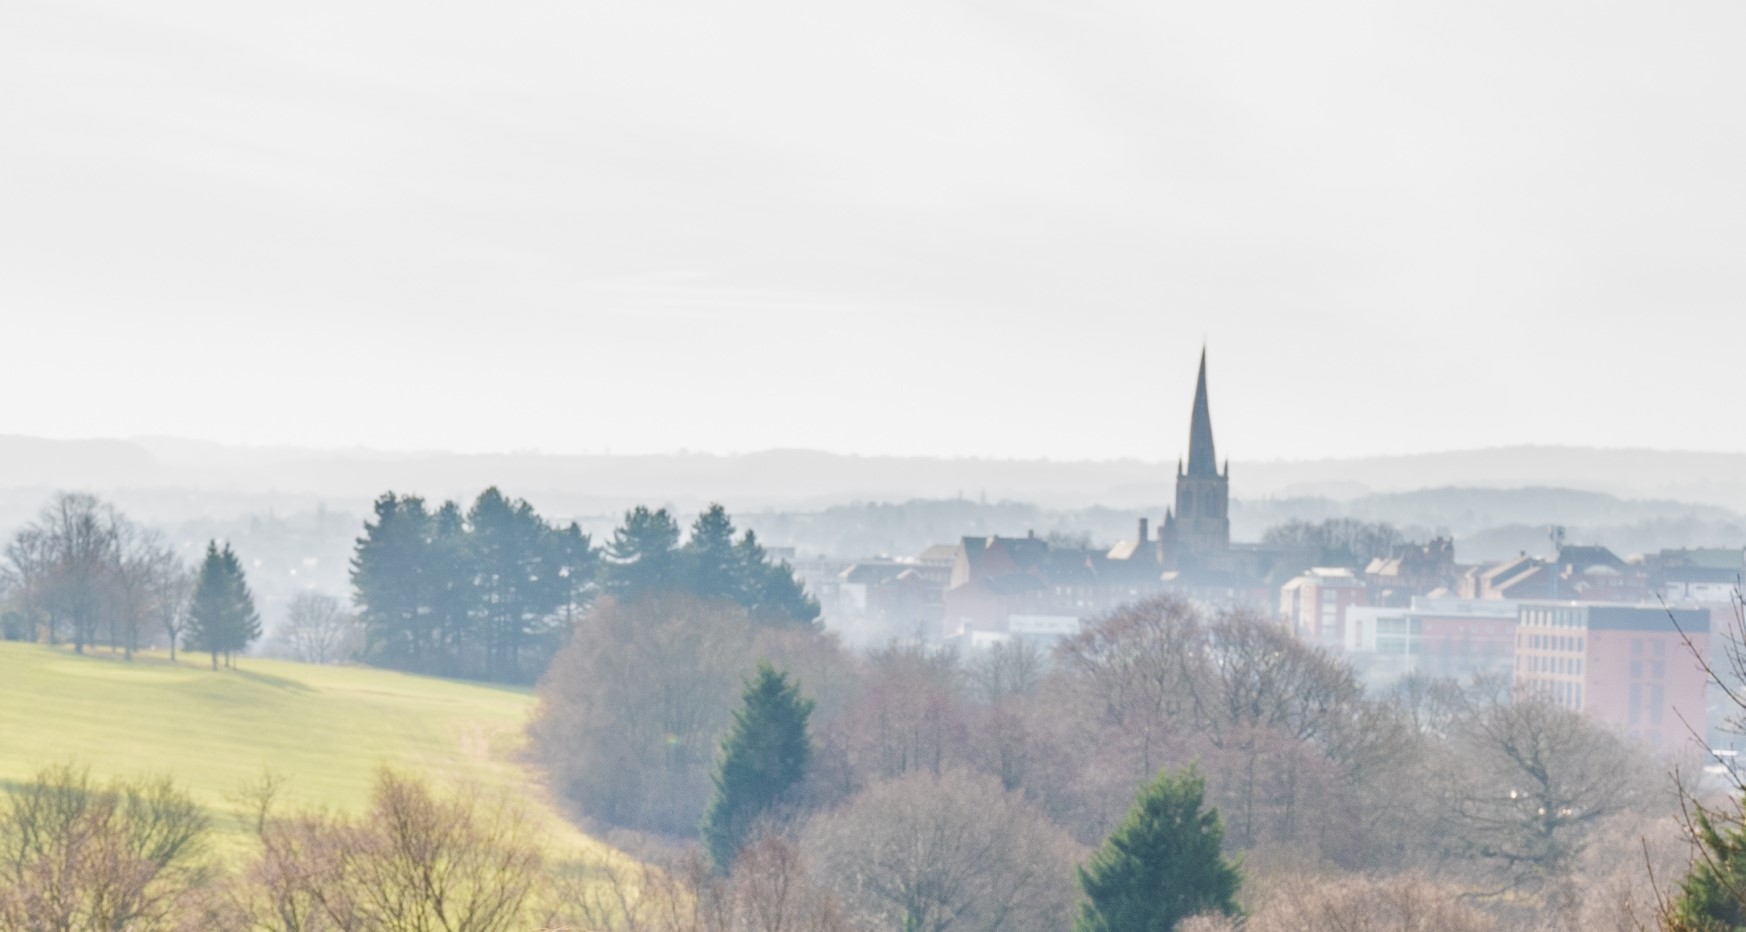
[(85, 574), (486, 592), (490, 591)]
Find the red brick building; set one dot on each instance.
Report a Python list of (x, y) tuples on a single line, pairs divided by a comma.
[(1314, 605), (1629, 666)]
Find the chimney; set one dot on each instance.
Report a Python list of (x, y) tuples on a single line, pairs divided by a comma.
[(1143, 530)]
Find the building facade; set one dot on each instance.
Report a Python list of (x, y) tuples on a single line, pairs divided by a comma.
[(1314, 606), (1635, 667)]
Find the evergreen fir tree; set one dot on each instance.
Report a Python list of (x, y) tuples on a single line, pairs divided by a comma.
[(749, 562), (515, 559), (449, 579), (1712, 898), (222, 617), (391, 580), (643, 553), (1161, 865), (763, 758), (711, 566), (578, 568), (769, 590)]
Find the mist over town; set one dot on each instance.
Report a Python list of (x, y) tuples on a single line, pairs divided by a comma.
[(935, 467)]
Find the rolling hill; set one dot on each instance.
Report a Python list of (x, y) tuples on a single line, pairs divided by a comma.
[(325, 729)]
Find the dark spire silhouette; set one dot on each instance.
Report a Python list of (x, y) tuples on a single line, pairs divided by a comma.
[(1201, 461)]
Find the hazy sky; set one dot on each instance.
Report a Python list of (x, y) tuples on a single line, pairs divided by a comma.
[(994, 228)]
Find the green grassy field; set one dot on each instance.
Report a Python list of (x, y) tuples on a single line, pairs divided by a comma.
[(326, 730)]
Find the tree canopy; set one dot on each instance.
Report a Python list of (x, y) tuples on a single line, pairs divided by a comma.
[(490, 590), (221, 617), (1161, 865), (763, 758)]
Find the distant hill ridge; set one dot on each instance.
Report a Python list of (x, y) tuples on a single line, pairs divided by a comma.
[(798, 478)]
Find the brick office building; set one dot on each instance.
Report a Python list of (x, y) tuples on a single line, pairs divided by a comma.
[(1629, 666)]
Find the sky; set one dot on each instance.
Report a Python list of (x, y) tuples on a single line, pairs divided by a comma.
[(941, 227)]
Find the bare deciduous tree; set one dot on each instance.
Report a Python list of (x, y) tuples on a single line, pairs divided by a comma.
[(413, 862), (1259, 675), (948, 852), (75, 854), (82, 566), (144, 565), (633, 708), (1134, 672), (911, 713), (65, 561), (172, 590), (770, 890), (1006, 670), (1536, 779), (316, 627), (1402, 903)]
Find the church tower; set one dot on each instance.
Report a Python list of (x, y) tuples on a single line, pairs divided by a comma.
[(1198, 529)]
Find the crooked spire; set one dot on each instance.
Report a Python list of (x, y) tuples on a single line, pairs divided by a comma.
[(1201, 459)]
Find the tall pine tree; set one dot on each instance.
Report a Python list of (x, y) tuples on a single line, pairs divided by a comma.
[(391, 580), (1161, 865), (449, 580), (769, 590), (516, 559), (221, 617), (763, 759), (643, 554), (711, 566)]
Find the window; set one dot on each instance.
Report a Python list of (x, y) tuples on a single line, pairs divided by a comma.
[(1636, 669), (1657, 669), (1636, 647)]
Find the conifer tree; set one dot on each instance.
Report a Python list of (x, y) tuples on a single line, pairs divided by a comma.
[(763, 758), (222, 617), (391, 580), (711, 566), (1712, 898), (448, 576), (643, 553), (518, 569), (769, 590), (1161, 865)]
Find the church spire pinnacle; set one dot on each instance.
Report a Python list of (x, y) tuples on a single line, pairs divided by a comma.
[(1201, 459)]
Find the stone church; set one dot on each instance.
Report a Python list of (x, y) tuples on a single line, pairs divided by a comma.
[(1196, 534)]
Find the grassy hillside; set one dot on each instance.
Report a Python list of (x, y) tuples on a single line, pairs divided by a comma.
[(326, 729)]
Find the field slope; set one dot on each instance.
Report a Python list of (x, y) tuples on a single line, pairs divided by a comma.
[(325, 729)]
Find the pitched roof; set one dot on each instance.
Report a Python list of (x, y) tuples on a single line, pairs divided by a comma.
[(1585, 557), (938, 553)]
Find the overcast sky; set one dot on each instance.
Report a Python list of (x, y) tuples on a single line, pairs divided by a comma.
[(994, 228)]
